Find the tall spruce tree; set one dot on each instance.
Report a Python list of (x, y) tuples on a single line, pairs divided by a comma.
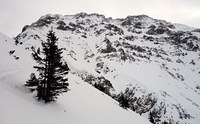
[(52, 71)]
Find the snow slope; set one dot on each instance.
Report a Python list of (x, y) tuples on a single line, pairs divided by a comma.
[(160, 59), (82, 104)]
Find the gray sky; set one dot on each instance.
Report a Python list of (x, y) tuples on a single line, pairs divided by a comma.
[(14, 14)]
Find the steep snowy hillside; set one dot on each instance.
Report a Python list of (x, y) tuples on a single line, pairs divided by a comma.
[(83, 104), (157, 59)]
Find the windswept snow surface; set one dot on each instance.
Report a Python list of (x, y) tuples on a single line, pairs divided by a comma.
[(83, 104)]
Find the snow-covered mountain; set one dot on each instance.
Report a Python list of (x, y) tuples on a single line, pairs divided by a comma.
[(83, 104), (159, 60)]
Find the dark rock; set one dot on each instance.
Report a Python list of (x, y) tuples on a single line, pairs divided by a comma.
[(45, 20), (25, 27), (109, 48), (196, 30), (114, 28)]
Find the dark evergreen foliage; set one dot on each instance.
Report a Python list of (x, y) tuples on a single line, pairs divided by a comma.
[(32, 82), (103, 85), (155, 115), (123, 101), (51, 68), (126, 99), (151, 118)]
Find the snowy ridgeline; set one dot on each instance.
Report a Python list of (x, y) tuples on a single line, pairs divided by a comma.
[(157, 60)]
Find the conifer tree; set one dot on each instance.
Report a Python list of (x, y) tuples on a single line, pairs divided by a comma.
[(32, 82), (126, 98), (155, 115), (52, 71)]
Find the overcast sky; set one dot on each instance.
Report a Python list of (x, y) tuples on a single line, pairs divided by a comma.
[(14, 14)]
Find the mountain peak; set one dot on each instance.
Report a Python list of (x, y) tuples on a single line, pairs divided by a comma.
[(156, 58)]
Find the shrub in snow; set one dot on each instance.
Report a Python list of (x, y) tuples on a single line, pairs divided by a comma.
[(126, 98)]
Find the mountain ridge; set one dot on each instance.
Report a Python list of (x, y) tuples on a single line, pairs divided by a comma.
[(159, 59)]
